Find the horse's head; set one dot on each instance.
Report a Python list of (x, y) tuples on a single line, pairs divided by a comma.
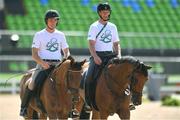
[(117, 73), (69, 73), (138, 79), (129, 69), (74, 74)]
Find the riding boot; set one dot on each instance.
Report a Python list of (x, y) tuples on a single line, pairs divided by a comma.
[(25, 102), (89, 81)]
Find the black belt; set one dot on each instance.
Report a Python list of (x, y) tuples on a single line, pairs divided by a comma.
[(104, 52), (48, 60)]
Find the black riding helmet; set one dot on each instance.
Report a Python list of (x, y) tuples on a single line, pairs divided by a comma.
[(51, 14), (104, 6)]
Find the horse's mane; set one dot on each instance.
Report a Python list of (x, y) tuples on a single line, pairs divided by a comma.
[(129, 59), (132, 60), (73, 64)]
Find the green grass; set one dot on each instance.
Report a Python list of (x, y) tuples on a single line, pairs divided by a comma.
[(169, 101), (173, 79)]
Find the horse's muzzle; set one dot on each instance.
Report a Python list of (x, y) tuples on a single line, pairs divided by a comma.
[(137, 99)]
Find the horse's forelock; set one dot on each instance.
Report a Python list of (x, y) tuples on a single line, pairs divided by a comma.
[(143, 69), (76, 65)]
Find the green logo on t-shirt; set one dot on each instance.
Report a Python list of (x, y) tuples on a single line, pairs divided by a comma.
[(106, 36), (52, 45)]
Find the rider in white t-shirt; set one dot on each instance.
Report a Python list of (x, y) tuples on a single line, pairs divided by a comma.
[(46, 51), (106, 40), (103, 35), (104, 44)]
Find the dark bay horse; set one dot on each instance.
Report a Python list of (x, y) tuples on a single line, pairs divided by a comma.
[(120, 80), (56, 92)]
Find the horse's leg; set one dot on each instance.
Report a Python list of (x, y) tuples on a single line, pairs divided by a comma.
[(63, 116), (79, 104), (29, 113), (43, 116), (35, 115), (95, 114), (124, 114), (52, 115)]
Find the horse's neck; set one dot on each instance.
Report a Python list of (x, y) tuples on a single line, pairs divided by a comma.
[(61, 74), (118, 79)]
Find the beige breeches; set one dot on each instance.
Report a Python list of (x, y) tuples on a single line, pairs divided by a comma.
[(34, 74), (39, 68)]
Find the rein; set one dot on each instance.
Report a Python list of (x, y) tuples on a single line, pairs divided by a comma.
[(111, 83), (18, 74), (68, 77)]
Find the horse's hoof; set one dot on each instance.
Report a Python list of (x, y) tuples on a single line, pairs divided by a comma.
[(23, 112), (75, 113)]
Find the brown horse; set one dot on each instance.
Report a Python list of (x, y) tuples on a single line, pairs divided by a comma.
[(56, 92), (120, 79)]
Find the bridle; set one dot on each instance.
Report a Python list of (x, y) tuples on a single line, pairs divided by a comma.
[(70, 77), (134, 81), (131, 78), (111, 83)]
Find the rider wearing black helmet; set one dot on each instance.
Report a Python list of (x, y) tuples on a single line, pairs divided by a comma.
[(104, 6), (46, 52), (104, 44), (103, 35), (51, 14)]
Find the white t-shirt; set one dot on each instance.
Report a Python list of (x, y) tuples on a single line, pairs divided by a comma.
[(106, 38), (49, 44)]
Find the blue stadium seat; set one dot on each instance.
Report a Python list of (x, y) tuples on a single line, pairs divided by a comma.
[(150, 3), (44, 2), (94, 8), (85, 2), (174, 3), (126, 3), (135, 6)]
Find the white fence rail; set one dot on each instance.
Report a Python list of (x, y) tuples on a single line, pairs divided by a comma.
[(12, 86)]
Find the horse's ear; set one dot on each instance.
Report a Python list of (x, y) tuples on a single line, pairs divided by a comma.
[(82, 63), (147, 66), (70, 58), (64, 59)]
